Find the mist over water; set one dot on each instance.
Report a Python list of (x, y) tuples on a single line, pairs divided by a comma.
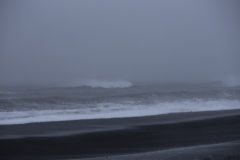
[(65, 60), (60, 42)]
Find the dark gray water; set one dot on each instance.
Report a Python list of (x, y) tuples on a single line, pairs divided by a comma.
[(25, 105)]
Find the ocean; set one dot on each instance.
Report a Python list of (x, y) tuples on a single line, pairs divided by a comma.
[(99, 100)]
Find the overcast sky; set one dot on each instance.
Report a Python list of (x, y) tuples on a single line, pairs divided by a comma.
[(56, 41)]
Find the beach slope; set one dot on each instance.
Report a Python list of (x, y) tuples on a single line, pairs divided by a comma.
[(110, 138)]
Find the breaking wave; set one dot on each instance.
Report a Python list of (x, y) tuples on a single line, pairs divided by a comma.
[(115, 110), (101, 84), (25, 105)]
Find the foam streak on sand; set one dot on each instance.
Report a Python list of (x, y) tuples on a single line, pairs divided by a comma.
[(227, 150)]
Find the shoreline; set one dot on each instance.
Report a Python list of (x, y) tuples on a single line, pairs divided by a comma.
[(72, 127), (108, 137)]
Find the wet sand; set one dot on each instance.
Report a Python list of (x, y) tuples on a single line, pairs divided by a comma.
[(111, 138), (220, 151)]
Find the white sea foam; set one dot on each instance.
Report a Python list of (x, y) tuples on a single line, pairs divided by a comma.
[(108, 84), (100, 83), (113, 110)]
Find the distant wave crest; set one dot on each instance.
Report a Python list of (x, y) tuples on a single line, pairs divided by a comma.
[(101, 84)]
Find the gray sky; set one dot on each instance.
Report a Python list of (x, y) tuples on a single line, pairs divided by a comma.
[(56, 42)]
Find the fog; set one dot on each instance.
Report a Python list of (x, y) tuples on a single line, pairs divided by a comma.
[(57, 42)]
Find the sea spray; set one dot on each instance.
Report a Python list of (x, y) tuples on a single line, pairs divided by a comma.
[(100, 84), (111, 101)]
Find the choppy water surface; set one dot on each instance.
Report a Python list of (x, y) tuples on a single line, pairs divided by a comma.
[(26, 105)]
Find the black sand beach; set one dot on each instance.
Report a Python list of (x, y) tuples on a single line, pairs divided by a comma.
[(126, 136)]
